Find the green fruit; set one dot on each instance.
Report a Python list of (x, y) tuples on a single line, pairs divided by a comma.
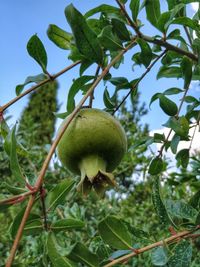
[(93, 146)]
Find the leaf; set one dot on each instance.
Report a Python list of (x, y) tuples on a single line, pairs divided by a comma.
[(180, 126), (134, 7), (156, 166), (153, 11), (103, 9), (56, 259), (146, 53), (159, 256), (183, 158), (182, 210), (120, 29), (169, 72), (58, 194), (85, 39), (185, 21), (14, 190), (195, 200), (108, 100), (10, 146), (186, 66), (82, 254), (76, 86), (154, 98), (174, 143), (173, 91), (163, 19), (30, 79), (158, 204), (66, 224), (37, 51), (168, 106), (182, 255), (119, 253), (59, 37), (115, 233), (110, 40)]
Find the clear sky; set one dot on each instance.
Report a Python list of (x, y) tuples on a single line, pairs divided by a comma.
[(22, 18)]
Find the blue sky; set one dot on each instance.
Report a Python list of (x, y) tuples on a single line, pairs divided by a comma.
[(23, 18)]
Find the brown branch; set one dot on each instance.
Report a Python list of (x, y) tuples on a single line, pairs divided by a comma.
[(50, 78), (168, 240), (17, 199), (139, 80), (42, 198), (40, 178)]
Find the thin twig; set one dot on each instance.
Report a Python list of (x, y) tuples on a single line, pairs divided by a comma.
[(17, 199), (42, 198), (139, 80), (40, 178), (168, 240), (50, 78)]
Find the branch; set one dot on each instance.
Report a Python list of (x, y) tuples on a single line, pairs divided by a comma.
[(40, 178), (174, 238), (139, 80), (50, 78), (17, 199)]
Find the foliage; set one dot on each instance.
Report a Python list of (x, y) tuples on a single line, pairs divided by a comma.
[(107, 232)]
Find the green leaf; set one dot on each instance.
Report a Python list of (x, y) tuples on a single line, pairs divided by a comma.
[(159, 256), (55, 257), (85, 39), (134, 7), (156, 166), (169, 72), (154, 98), (59, 37), (30, 79), (158, 138), (58, 194), (120, 83), (195, 200), (66, 224), (158, 204), (182, 210), (108, 100), (120, 29), (168, 106), (174, 143), (77, 85), (103, 9), (146, 53), (14, 190), (180, 126), (185, 21), (182, 255), (173, 91), (183, 158), (115, 233), (153, 11), (82, 254), (37, 51), (163, 19), (10, 146), (109, 40), (186, 66)]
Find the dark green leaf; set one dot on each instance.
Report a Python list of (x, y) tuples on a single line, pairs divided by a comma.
[(66, 224), (134, 7), (173, 91), (59, 37), (154, 98), (158, 204), (120, 83), (156, 166), (183, 158), (186, 66), (158, 138), (74, 89), (58, 194), (85, 39), (37, 51), (10, 146), (159, 256), (30, 79), (168, 106), (115, 233), (169, 72), (190, 99), (80, 253), (107, 100), (185, 21), (195, 200), (120, 29), (182, 255), (153, 11), (55, 257), (174, 143), (110, 40), (180, 126), (182, 210), (14, 190), (163, 19), (146, 53)]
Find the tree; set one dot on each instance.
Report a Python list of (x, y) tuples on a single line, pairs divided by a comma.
[(111, 238)]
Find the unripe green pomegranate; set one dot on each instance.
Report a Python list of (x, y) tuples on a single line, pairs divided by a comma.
[(93, 146)]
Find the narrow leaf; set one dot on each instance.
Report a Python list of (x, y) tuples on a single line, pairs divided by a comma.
[(168, 106), (134, 7), (37, 51), (107, 100), (169, 72), (156, 166), (186, 66), (58, 194), (109, 40), (185, 21), (115, 233), (173, 91), (174, 143), (66, 224), (183, 158), (153, 11), (146, 53), (120, 29)]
